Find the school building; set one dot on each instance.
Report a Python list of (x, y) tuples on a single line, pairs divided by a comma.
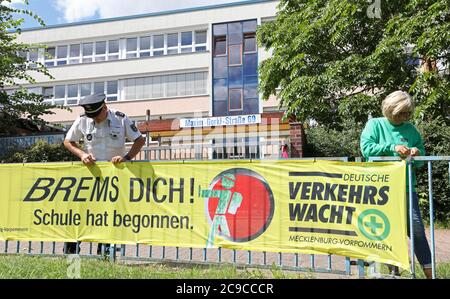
[(188, 77)]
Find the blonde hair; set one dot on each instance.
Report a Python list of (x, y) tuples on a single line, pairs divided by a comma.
[(395, 103)]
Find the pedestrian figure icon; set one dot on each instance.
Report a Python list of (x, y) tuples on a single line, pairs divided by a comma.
[(229, 202)]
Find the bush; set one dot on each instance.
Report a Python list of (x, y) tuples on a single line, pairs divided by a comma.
[(322, 141), (436, 137), (41, 151)]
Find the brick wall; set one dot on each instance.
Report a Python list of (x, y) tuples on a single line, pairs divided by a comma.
[(297, 135)]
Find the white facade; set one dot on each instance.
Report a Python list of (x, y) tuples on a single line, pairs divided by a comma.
[(171, 86)]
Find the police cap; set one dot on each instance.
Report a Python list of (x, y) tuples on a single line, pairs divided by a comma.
[(93, 104)]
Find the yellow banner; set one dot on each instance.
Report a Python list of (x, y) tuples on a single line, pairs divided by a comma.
[(322, 207)]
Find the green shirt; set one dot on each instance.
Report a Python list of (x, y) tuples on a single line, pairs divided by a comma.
[(380, 137)]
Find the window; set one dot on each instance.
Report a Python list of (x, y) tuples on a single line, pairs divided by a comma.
[(186, 42), (249, 26), (130, 89), (172, 43), (47, 92), (220, 29), (220, 45), (100, 51), (250, 87), (200, 83), (235, 103), (88, 52), (235, 33), (158, 45), (250, 64), (249, 42), (235, 78), (50, 54), (190, 84), (99, 87), (113, 50), (61, 55), (111, 91), (74, 54), (221, 90), (132, 47), (148, 87), (235, 55), (33, 55), (220, 65), (165, 86), (145, 46), (60, 94), (171, 85), (181, 84), (235, 100), (72, 94), (158, 87), (85, 89), (200, 41)]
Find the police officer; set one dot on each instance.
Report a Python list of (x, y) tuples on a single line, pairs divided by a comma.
[(103, 131)]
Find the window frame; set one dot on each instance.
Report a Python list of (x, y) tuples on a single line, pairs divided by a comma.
[(229, 99), (177, 47), (240, 55), (91, 56), (199, 45), (214, 45), (191, 46), (251, 34), (104, 56), (63, 59)]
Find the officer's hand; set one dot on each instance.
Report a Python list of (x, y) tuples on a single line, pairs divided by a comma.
[(88, 159), (118, 159)]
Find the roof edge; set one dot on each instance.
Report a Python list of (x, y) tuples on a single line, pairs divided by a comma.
[(154, 14)]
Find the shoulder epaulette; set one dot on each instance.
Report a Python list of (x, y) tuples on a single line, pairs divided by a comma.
[(118, 113)]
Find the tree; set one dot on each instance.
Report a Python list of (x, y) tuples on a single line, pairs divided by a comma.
[(14, 67), (332, 60)]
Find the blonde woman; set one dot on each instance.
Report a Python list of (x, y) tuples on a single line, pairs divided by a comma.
[(394, 135)]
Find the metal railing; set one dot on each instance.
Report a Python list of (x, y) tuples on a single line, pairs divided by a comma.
[(410, 162)]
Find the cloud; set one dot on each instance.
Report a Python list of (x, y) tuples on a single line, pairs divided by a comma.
[(75, 10), (13, 3)]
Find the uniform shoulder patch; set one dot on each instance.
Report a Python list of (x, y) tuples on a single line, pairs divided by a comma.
[(133, 127), (118, 113)]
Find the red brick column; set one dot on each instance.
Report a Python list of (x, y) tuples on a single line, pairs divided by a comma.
[(296, 138)]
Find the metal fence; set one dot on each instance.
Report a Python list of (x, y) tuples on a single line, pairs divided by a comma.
[(220, 256)]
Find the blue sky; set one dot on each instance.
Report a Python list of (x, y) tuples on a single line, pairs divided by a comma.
[(67, 11)]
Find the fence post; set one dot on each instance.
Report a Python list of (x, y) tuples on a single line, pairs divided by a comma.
[(433, 247), (147, 139), (411, 227)]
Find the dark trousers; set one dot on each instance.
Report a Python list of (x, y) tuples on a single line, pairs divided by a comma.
[(74, 248), (71, 248)]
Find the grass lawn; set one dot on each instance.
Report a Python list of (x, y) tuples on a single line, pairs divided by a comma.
[(26, 267), (29, 267)]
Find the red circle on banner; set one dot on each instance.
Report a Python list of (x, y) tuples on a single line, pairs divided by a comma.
[(256, 209)]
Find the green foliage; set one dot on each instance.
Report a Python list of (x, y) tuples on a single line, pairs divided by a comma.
[(14, 67), (436, 135), (26, 267), (323, 141), (42, 152), (332, 62)]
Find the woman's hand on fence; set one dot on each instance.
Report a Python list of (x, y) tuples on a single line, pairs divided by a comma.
[(404, 151)]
